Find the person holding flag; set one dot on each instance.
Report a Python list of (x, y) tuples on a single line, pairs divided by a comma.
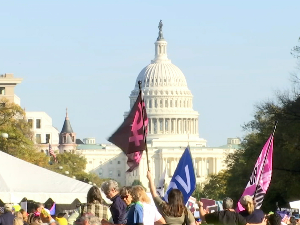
[(251, 214), (227, 216), (260, 178), (173, 211)]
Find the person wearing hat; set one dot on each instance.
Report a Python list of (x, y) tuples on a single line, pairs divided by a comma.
[(251, 214), (46, 217), (7, 218)]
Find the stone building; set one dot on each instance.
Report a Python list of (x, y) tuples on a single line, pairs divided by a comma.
[(173, 124)]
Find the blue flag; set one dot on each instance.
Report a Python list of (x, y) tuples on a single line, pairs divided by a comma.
[(184, 178)]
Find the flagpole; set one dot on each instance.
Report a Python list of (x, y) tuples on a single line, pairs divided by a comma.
[(265, 159), (145, 138)]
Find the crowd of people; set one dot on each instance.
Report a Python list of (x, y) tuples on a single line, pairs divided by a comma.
[(132, 206)]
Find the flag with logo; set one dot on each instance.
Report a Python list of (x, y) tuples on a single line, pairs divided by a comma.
[(184, 178), (131, 135), (261, 176), (160, 189)]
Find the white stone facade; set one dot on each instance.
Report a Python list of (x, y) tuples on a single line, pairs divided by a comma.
[(173, 124), (168, 101), (108, 161), (43, 130), (7, 87)]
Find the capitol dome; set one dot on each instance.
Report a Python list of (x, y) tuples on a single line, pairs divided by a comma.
[(161, 74), (169, 102)]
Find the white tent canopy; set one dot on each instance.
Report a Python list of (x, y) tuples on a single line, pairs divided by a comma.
[(19, 179), (295, 204)]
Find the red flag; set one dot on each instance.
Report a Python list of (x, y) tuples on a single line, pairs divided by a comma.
[(51, 152), (130, 137)]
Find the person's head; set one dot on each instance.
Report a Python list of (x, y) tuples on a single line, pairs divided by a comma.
[(38, 207), (125, 194), (247, 202), (175, 206), (89, 219), (36, 220), (274, 219), (18, 221), (45, 215), (293, 220), (139, 194), (19, 215), (110, 188), (24, 215), (94, 195), (227, 203), (8, 208)]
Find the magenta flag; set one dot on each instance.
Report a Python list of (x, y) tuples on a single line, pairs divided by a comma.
[(261, 176), (130, 137)]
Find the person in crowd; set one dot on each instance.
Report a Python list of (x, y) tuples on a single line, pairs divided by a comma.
[(274, 219), (135, 213), (293, 220), (61, 219), (36, 220), (251, 214), (24, 216), (173, 211), (7, 218), (46, 217), (95, 204), (118, 206), (125, 195), (151, 215), (225, 217), (134, 209), (37, 211), (18, 220), (88, 219)]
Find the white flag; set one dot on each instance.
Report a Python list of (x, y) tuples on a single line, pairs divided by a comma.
[(160, 189)]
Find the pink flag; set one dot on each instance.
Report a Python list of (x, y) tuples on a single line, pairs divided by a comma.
[(261, 176)]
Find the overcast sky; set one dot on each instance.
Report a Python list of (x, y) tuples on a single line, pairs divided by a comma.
[(86, 55)]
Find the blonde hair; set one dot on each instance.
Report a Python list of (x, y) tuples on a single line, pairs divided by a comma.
[(19, 215), (139, 194), (18, 221), (247, 202)]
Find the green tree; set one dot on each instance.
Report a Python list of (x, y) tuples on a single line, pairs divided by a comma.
[(216, 186), (296, 51), (136, 182), (286, 170), (284, 187), (198, 192), (19, 142)]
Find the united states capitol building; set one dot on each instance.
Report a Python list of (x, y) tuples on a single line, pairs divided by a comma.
[(173, 124)]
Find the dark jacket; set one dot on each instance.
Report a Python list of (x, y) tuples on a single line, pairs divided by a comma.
[(118, 210), (7, 219)]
